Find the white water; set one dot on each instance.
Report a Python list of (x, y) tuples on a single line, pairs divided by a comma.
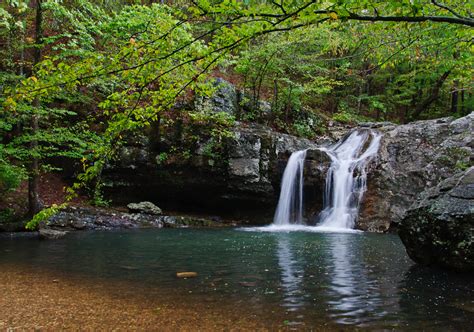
[(346, 183), (290, 204)]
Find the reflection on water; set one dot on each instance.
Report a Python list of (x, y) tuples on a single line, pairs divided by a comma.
[(350, 293), (354, 294), (360, 280), (292, 274), (347, 289)]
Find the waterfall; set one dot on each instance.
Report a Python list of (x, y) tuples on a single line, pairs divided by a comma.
[(346, 180), (290, 204)]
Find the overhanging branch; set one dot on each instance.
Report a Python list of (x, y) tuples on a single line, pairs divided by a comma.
[(411, 19)]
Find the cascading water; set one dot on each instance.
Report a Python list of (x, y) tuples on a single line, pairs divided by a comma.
[(290, 205), (345, 184), (346, 180)]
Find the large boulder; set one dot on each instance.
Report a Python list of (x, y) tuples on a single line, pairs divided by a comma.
[(438, 230), (412, 158), (144, 207)]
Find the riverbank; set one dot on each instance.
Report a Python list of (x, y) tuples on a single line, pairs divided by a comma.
[(90, 218)]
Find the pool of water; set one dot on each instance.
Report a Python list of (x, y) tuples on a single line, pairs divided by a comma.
[(300, 278)]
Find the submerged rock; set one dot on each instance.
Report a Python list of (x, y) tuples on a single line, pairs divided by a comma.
[(438, 230), (186, 274), (51, 234), (144, 207)]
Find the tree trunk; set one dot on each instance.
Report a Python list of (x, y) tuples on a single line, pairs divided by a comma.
[(432, 96), (34, 205), (454, 99), (275, 96), (463, 106), (288, 105)]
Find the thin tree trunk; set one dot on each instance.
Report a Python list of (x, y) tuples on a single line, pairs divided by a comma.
[(454, 98), (34, 205), (432, 96), (288, 105), (275, 96)]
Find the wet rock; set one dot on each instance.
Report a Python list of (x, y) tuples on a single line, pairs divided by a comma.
[(412, 158), (144, 207), (51, 234), (185, 221), (376, 124), (438, 230), (247, 168), (92, 218), (316, 165)]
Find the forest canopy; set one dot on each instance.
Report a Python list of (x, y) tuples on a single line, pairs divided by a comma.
[(78, 76)]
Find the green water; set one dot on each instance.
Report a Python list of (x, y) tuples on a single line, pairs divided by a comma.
[(360, 280)]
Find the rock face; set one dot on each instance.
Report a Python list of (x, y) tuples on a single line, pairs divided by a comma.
[(224, 99), (245, 184), (412, 158), (438, 230)]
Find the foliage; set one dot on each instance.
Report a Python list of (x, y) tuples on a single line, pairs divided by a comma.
[(347, 117), (44, 215), (7, 215), (359, 69), (109, 69), (10, 176), (199, 132)]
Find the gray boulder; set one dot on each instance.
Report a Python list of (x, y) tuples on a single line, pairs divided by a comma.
[(438, 230), (144, 207), (223, 99), (412, 158)]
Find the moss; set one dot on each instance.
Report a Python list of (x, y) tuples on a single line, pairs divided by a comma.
[(462, 165)]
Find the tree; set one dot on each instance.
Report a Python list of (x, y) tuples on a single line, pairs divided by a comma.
[(131, 71), (114, 73)]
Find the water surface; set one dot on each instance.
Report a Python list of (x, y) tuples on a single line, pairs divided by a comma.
[(295, 278)]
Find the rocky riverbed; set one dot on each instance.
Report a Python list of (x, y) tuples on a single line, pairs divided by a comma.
[(41, 300)]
